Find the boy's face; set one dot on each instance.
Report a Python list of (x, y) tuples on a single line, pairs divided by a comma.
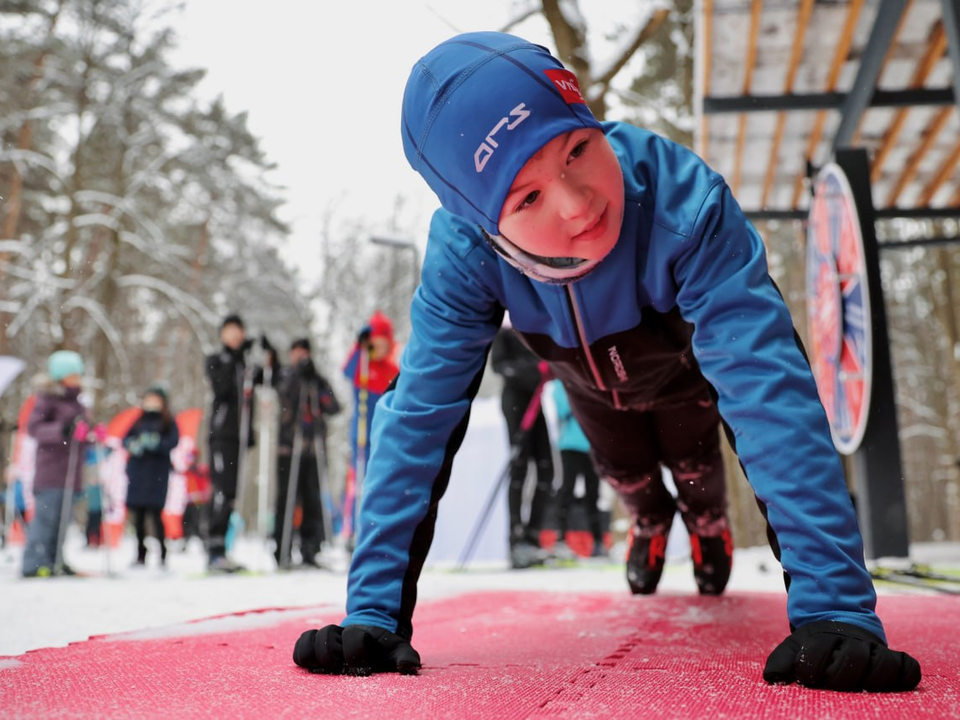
[(379, 347), (232, 336), (152, 403), (298, 355), (567, 201)]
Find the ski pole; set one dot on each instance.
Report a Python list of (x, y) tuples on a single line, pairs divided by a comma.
[(105, 503), (67, 502), (235, 525), (320, 454), (286, 537), (263, 470), (360, 466), (526, 424), (11, 495)]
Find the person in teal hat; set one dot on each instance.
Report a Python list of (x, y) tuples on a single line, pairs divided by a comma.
[(59, 424)]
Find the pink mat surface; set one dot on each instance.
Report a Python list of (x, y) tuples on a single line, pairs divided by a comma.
[(487, 655)]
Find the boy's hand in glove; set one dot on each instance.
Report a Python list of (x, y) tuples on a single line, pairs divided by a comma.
[(355, 650), (839, 656)]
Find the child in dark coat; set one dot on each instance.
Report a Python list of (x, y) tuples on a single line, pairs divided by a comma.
[(149, 442)]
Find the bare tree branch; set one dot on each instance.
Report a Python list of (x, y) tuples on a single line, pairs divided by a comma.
[(642, 35)]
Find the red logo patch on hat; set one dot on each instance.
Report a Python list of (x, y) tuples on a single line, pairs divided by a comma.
[(566, 83)]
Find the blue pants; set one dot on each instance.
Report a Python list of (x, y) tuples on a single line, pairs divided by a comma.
[(43, 531)]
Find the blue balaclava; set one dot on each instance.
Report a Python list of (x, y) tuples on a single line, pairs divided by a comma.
[(475, 109)]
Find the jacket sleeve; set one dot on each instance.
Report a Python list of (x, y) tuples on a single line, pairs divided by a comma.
[(417, 428), (169, 439), (510, 358), (329, 404), (748, 350), (222, 376), (44, 425), (132, 434)]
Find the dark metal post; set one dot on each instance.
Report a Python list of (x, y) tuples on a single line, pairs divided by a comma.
[(878, 471), (951, 19), (871, 63)]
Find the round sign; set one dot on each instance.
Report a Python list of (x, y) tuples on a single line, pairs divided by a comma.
[(838, 308)]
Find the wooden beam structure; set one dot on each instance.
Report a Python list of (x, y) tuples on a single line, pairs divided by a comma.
[(936, 49), (751, 60), (839, 58), (803, 20)]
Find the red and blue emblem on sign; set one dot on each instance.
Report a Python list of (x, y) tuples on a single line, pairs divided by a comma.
[(838, 308)]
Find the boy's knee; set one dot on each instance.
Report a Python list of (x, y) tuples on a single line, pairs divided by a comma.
[(631, 484)]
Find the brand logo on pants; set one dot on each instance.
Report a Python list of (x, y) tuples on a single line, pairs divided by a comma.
[(618, 367)]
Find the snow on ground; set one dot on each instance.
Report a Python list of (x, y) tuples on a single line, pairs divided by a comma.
[(53, 612)]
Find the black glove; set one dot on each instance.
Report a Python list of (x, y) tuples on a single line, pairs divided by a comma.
[(246, 345), (305, 369), (363, 337), (265, 344), (355, 650), (839, 656)]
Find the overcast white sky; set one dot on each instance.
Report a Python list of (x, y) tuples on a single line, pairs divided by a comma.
[(323, 82)]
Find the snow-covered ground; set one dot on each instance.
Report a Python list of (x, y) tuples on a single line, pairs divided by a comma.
[(57, 611)]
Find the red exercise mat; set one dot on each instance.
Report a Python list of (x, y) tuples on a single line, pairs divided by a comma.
[(487, 655)]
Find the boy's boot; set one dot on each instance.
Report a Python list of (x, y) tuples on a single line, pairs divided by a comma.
[(645, 558), (712, 561)]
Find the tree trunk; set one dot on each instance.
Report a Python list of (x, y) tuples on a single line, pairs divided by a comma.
[(14, 195)]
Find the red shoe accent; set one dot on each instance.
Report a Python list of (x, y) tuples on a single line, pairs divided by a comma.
[(728, 543), (658, 550), (695, 552)]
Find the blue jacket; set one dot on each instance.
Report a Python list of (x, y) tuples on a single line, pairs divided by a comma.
[(571, 434), (684, 293)]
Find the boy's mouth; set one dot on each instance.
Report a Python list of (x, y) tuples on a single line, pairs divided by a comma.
[(595, 230)]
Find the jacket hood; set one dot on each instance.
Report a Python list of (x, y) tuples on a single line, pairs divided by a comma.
[(380, 326), (43, 384), (476, 108)]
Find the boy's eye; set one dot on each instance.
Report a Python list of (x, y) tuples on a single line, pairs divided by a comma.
[(579, 149), (529, 200)]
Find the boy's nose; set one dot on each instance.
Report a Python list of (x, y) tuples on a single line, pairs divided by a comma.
[(573, 198)]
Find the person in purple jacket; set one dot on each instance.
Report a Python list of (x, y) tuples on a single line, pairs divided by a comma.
[(627, 265), (59, 425)]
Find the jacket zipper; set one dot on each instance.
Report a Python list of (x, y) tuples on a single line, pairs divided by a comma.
[(578, 323)]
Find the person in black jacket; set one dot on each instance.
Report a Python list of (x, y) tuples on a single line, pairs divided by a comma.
[(148, 443), (522, 378), (306, 401), (232, 381)]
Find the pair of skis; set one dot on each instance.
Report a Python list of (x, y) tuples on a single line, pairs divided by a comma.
[(516, 448), (353, 496), (919, 576), (286, 538)]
